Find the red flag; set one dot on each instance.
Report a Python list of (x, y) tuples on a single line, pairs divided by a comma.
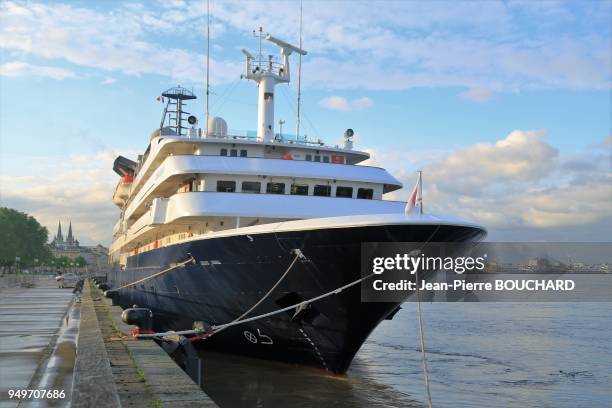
[(415, 198)]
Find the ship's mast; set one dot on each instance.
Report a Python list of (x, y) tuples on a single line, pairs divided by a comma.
[(299, 83), (207, 60), (267, 74)]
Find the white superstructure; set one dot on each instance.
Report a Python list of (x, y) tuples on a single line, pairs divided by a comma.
[(191, 184)]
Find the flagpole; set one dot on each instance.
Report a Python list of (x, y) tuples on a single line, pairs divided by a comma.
[(421, 192)]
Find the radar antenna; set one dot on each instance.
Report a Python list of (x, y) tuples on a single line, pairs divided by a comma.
[(267, 74)]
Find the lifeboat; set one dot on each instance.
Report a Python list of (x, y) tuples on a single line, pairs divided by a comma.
[(122, 191)]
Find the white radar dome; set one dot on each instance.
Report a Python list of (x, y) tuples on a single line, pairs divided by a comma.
[(217, 126)]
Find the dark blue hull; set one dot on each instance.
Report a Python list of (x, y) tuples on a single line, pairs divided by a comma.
[(233, 273)]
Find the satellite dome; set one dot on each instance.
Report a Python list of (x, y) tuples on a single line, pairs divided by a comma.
[(217, 126)]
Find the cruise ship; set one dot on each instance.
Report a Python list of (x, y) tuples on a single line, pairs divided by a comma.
[(216, 226)]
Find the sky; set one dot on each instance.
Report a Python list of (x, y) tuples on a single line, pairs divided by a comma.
[(504, 105)]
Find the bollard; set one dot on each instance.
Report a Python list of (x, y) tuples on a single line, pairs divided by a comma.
[(113, 296), (139, 316)]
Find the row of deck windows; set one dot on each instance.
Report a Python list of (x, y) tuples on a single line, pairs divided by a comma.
[(244, 153), (322, 190), (317, 158), (234, 152)]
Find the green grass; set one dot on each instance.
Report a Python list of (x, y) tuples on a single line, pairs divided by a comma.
[(155, 403), (141, 375)]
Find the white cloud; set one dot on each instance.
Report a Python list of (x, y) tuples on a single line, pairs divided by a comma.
[(19, 68), (397, 45), (520, 183), (343, 104), (478, 94), (114, 41), (362, 103), (605, 144), (391, 46), (108, 81), (335, 103), (58, 192), (519, 157)]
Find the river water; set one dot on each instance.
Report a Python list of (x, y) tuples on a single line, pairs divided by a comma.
[(479, 355)]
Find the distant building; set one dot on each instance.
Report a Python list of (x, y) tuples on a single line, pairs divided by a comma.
[(96, 256), (60, 244)]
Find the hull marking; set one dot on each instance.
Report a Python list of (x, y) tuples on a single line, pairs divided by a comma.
[(316, 349)]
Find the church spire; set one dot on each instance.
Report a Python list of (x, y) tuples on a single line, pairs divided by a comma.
[(70, 238), (59, 237)]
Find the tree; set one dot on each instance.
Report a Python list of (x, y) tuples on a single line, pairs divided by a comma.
[(22, 236), (62, 261), (80, 261)]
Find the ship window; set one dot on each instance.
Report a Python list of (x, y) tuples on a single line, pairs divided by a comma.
[(325, 159), (226, 186), (344, 191), (299, 189), (367, 193), (243, 153), (317, 158), (251, 187), (223, 152), (308, 157), (321, 190), (275, 188), (233, 152)]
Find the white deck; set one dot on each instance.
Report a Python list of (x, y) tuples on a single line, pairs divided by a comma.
[(310, 212), (344, 221), (364, 220), (190, 164)]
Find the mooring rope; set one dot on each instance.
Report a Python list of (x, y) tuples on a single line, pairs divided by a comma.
[(216, 329), (155, 275), (298, 254), (422, 341), (241, 319)]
